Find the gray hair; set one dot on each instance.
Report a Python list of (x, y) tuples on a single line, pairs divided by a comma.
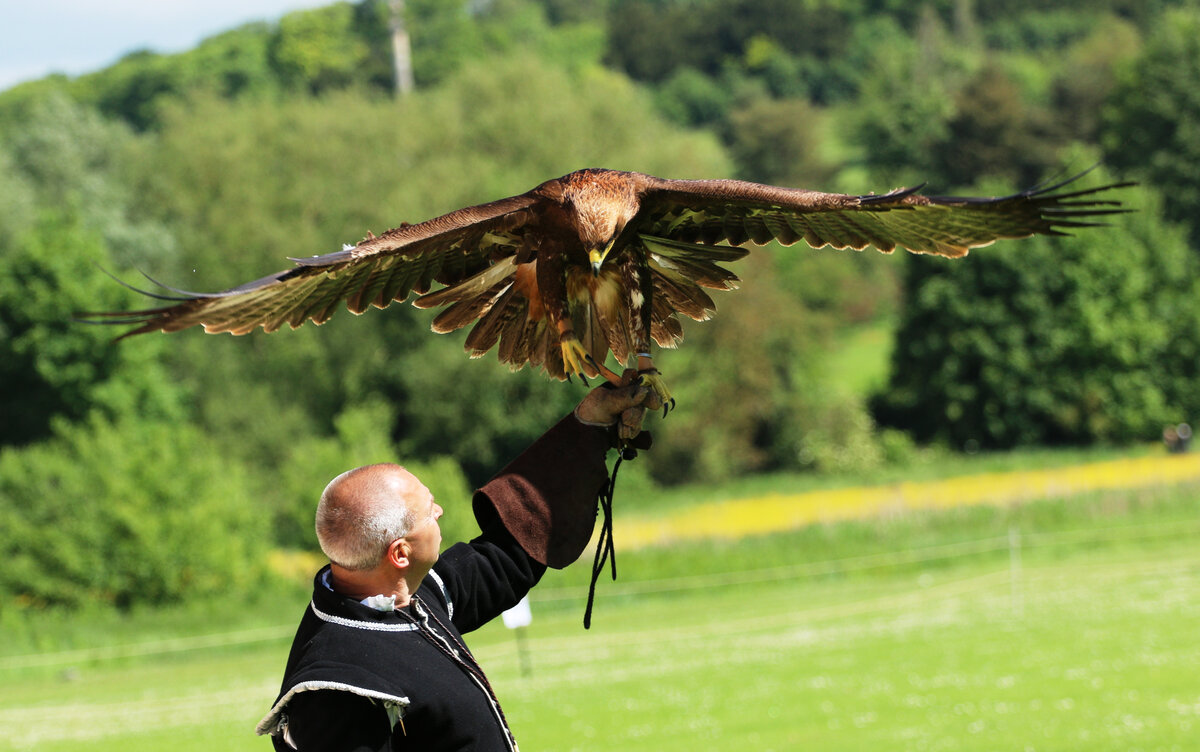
[(355, 526)]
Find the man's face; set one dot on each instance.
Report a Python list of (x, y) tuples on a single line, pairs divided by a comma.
[(425, 537)]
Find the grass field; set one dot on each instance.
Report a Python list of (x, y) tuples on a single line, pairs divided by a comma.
[(1058, 625), (860, 362)]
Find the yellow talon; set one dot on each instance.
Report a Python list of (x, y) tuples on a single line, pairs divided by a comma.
[(653, 379), (576, 359)]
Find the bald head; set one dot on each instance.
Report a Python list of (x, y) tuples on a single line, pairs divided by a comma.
[(362, 511)]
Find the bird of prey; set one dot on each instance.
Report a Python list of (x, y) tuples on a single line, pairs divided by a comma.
[(602, 261)]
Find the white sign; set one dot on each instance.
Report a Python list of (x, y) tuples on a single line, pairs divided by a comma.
[(519, 615)]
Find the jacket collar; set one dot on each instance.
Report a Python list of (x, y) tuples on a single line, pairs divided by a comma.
[(331, 606)]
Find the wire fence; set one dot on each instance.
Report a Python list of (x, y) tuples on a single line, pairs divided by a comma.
[(149, 648), (1013, 542), (639, 651), (775, 512)]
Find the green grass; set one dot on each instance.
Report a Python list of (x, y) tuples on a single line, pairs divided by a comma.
[(901, 633), (937, 661), (860, 362)]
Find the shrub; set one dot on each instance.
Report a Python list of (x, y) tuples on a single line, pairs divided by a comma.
[(126, 512)]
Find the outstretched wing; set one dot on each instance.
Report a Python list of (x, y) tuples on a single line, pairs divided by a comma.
[(375, 272), (708, 212)]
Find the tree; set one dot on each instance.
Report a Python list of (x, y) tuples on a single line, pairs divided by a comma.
[(1150, 123), (995, 131), (70, 160), (362, 436), (232, 64), (691, 98), (745, 379), (56, 369), (1087, 77), (18, 198), (903, 112), (650, 40), (318, 49), (778, 142), (1052, 341), (66, 215), (401, 48), (133, 88)]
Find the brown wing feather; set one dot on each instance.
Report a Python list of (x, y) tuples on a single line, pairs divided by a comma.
[(696, 262), (517, 321), (680, 293), (375, 272), (514, 266), (735, 211)]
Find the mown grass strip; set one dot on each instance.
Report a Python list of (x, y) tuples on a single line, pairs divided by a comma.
[(924, 644)]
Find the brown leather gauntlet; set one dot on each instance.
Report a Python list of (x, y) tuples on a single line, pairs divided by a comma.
[(547, 496)]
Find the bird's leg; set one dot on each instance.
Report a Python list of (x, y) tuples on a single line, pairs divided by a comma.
[(609, 375), (573, 357), (653, 379), (576, 359)]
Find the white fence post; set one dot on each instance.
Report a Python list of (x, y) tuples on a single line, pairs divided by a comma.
[(1016, 596)]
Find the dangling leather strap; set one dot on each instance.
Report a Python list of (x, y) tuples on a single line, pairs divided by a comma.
[(605, 550)]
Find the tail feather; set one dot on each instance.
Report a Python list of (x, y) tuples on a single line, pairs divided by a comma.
[(486, 332), (591, 331), (618, 331), (548, 354), (664, 327), (517, 335)]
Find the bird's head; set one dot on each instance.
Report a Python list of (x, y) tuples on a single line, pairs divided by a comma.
[(598, 225), (596, 256), (600, 206)]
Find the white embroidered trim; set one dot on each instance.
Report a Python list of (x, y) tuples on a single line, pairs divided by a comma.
[(445, 593), (356, 624), (271, 723)]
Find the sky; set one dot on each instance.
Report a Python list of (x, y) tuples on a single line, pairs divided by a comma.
[(40, 37)]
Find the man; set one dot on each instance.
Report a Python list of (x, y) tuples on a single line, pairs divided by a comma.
[(378, 662)]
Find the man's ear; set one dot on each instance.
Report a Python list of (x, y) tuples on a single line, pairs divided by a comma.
[(398, 553)]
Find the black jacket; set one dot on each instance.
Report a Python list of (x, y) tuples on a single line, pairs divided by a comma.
[(362, 679)]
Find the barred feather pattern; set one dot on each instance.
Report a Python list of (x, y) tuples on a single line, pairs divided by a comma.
[(665, 243), (604, 313)]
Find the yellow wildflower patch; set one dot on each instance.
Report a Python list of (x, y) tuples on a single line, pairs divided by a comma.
[(774, 512)]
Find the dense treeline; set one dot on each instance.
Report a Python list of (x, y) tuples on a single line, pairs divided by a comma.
[(1064, 342), (184, 459)]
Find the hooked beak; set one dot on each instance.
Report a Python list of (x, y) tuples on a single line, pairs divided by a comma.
[(596, 257)]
